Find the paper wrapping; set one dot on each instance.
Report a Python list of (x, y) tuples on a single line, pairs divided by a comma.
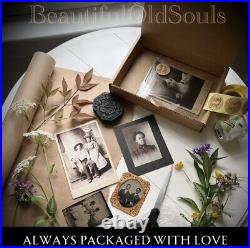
[(38, 72), (27, 216)]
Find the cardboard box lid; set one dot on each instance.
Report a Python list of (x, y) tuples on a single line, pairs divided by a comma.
[(176, 30)]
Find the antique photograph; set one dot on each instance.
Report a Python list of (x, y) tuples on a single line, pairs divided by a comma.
[(130, 194), (85, 158), (88, 212), (176, 87), (143, 146)]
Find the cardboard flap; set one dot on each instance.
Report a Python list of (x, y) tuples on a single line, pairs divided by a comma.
[(207, 36)]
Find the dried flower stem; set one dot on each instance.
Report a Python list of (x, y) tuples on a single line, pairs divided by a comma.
[(55, 221), (40, 185), (57, 110), (47, 163), (33, 162)]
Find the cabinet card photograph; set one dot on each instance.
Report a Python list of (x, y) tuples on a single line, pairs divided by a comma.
[(85, 158), (130, 194), (143, 146), (175, 88), (88, 212)]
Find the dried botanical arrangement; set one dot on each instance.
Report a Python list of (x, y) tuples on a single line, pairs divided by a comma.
[(27, 188), (213, 195)]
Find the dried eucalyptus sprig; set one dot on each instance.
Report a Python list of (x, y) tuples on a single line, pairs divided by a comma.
[(211, 195)]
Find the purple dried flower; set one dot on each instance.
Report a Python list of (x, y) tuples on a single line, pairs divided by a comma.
[(200, 150), (24, 190)]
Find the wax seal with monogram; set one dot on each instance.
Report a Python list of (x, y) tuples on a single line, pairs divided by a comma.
[(162, 69), (108, 107)]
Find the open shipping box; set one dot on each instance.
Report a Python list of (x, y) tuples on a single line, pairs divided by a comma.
[(204, 50)]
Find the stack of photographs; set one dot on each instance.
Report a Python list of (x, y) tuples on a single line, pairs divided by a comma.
[(175, 88)]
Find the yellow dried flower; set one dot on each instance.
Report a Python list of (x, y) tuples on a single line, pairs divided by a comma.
[(218, 174), (179, 165), (195, 216), (215, 215)]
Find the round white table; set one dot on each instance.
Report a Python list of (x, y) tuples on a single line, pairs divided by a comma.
[(104, 51)]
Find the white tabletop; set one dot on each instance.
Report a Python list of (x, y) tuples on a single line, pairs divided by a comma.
[(104, 51)]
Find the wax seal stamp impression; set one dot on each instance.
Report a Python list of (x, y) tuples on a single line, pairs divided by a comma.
[(162, 69), (108, 107)]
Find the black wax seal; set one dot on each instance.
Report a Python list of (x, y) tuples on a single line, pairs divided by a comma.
[(108, 107)]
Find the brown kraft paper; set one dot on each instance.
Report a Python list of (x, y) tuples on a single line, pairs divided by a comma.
[(38, 72), (27, 216)]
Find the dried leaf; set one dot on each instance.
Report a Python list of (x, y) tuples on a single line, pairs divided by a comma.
[(67, 93), (74, 113), (58, 116), (86, 87), (88, 76), (61, 93), (82, 102), (78, 81), (76, 106), (51, 108), (64, 86), (79, 102), (83, 117), (75, 99), (53, 92)]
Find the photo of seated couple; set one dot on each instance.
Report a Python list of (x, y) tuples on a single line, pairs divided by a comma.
[(85, 158), (88, 160)]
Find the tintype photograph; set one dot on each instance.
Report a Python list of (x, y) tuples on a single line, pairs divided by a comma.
[(130, 194), (176, 87), (85, 158), (88, 212), (143, 146)]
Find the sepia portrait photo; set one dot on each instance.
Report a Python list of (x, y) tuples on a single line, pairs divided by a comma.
[(143, 146), (130, 193), (85, 158), (177, 87), (88, 212)]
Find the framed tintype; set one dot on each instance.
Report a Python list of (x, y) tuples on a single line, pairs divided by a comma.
[(88, 212), (143, 146), (130, 194), (86, 161)]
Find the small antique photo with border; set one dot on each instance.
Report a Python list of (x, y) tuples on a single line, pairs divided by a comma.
[(143, 146), (88, 212), (86, 160), (130, 194)]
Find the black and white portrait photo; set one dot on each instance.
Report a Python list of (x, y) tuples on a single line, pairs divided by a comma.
[(186, 91), (85, 158), (88, 212), (130, 193), (143, 146), (141, 143)]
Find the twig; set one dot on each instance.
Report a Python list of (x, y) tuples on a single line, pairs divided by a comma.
[(57, 110)]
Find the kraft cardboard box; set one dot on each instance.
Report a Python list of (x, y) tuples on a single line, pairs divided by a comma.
[(202, 39)]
